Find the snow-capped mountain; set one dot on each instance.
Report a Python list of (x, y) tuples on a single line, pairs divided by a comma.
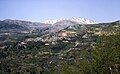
[(50, 21), (49, 26), (74, 19)]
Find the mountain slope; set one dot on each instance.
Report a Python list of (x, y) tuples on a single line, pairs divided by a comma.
[(18, 26)]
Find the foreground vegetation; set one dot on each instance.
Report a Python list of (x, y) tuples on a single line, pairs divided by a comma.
[(98, 60)]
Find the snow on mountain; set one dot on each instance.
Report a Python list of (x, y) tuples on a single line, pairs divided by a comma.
[(74, 19), (50, 21), (81, 20)]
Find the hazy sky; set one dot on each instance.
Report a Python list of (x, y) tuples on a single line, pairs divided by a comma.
[(40, 10)]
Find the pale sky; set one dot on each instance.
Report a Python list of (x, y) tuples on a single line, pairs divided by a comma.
[(41, 10)]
